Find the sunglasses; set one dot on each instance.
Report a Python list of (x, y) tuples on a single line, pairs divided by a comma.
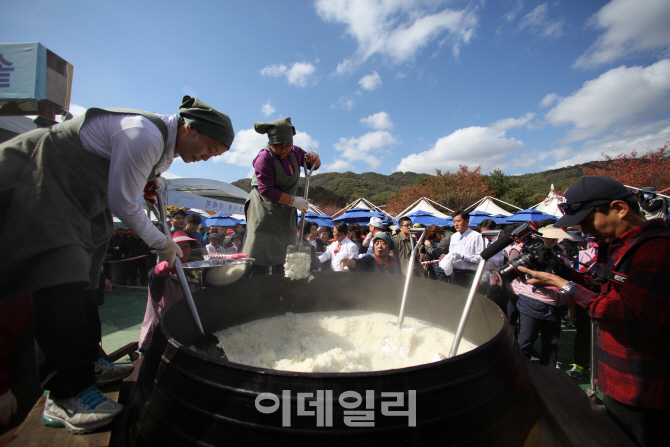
[(406, 225), (574, 208)]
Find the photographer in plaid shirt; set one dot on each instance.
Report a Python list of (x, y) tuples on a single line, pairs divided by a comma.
[(631, 303)]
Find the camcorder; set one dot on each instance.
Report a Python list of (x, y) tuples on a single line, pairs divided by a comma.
[(535, 255)]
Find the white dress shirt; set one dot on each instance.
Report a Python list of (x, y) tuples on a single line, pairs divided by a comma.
[(133, 145), (346, 249), (469, 245)]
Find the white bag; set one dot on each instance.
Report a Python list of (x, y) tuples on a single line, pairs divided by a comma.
[(447, 264)]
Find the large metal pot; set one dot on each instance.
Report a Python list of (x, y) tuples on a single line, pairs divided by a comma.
[(482, 397)]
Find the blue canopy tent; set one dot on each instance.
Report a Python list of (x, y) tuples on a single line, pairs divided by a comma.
[(321, 220), (360, 216), (528, 215), (425, 218), (221, 219), (477, 217), (499, 219)]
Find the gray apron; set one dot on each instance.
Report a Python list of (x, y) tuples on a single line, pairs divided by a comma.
[(55, 223), (271, 226)]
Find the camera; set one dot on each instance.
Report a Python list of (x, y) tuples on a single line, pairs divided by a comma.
[(535, 255)]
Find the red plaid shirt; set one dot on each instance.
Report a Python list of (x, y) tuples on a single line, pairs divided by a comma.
[(634, 319)]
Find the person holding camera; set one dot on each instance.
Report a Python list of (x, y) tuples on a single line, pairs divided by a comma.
[(539, 307), (630, 299)]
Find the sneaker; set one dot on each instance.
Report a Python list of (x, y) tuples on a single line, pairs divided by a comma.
[(577, 371), (84, 413), (108, 373)]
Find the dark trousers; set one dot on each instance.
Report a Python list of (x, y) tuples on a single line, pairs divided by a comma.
[(441, 276), (67, 333), (549, 330), (463, 278), (647, 427), (581, 350), (511, 312), (135, 267)]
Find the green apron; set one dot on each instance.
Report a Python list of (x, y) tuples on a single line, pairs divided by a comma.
[(271, 226), (55, 223)]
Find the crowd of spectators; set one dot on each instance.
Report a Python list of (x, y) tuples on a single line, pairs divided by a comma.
[(446, 254)]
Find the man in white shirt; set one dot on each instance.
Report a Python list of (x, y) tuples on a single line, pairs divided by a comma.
[(465, 247), (78, 173), (342, 248)]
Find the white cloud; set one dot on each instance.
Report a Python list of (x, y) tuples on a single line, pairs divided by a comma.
[(396, 29), (549, 100), (337, 166), (267, 109), (300, 73), (622, 96), (378, 121), (248, 143), (630, 28), (614, 145), (511, 15), (343, 103), (306, 142), (367, 147), (471, 146), (538, 22), (76, 109), (371, 81)]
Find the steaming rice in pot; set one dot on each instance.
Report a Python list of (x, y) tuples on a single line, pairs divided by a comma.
[(297, 266), (342, 341)]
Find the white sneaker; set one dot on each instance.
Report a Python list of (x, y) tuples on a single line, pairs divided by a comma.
[(86, 412), (107, 373)]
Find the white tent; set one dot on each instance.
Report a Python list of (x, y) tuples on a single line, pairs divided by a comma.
[(203, 194), (213, 189), (361, 203), (488, 205), (550, 204), (425, 204)]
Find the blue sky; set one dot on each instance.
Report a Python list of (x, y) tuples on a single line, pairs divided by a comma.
[(379, 85)]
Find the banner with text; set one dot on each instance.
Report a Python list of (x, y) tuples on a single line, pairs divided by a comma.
[(188, 200)]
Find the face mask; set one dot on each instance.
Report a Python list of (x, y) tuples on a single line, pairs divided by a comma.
[(648, 196)]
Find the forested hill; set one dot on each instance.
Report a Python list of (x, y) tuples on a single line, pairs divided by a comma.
[(339, 189)]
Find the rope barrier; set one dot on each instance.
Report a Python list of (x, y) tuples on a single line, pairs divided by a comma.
[(124, 260)]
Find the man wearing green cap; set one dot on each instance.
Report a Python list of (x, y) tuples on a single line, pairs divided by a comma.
[(76, 174), (271, 209)]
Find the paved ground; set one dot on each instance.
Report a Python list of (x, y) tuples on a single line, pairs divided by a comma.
[(121, 317), (123, 312)]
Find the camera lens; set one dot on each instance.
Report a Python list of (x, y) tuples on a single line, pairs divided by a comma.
[(510, 271)]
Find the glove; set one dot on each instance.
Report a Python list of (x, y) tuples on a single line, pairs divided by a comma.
[(168, 252), (299, 203), (7, 407), (150, 191), (312, 157), (457, 256)]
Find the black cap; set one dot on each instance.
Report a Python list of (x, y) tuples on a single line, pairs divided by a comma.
[(593, 191)]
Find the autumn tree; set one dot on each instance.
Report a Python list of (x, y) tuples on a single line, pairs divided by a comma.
[(651, 169), (454, 190)]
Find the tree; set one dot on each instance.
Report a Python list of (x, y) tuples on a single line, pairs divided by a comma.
[(453, 190), (510, 189), (651, 169)]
